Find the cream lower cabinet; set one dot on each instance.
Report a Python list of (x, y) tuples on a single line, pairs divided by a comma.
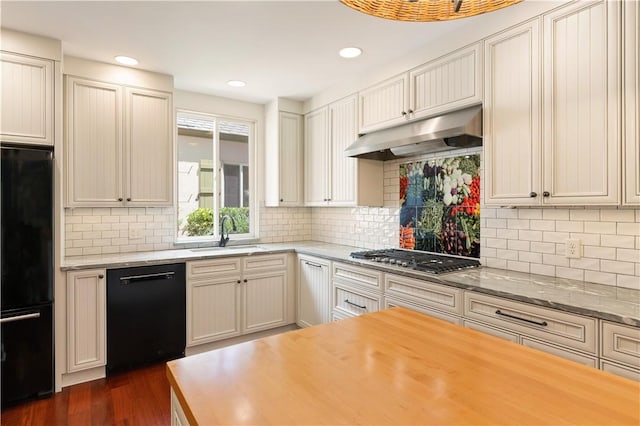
[(570, 336), (118, 145), (86, 319), (620, 349), (436, 300), (314, 291), (631, 104), (233, 296), (27, 97), (355, 290), (178, 418)]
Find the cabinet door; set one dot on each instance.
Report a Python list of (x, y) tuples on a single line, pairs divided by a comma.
[(291, 158), (213, 309), (342, 116), (512, 143), (314, 291), (26, 99), (86, 319), (383, 105), (631, 93), (149, 148), (316, 157), (581, 104), (265, 301), (93, 143), (450, 82)]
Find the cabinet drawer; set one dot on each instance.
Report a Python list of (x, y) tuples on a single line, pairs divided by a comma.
[(444, 298), (562, 353), (357, 275), (565, 329), (354, 302), (505, 335), (202, 268), (390, 302), (620, 370), (264, 262), (620, 343)]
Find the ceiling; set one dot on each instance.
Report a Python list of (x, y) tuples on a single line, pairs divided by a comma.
[(280, 48)]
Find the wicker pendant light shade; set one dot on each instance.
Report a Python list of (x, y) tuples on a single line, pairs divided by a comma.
[(426, 10)]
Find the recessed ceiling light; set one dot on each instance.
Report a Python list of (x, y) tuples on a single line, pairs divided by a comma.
[(125, 60), (236, 83), (350, 52)]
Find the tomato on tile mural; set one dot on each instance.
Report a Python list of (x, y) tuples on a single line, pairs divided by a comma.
[(440, 205)]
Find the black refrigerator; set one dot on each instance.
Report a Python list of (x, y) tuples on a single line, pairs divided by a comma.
[(26, 213)]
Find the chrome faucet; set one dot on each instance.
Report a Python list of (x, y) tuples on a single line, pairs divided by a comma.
[(224, 240)]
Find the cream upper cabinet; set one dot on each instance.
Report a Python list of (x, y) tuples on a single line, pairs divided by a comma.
[(331, 178), (284, 154), (631, 104), (512, 138), (450, 82), (384, 105), (118, 145), (581, 93), (148, 148), (27, 96), (94, 143), (316, 157)]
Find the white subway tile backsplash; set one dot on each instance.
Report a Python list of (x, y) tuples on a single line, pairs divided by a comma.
[(625, 268), (530, 213), (530, 257), (543, 225), (621, 241), (507, 254), (616, 215), (628, 228), (599, 252), (518, 245), (555, 214), (628, 255), (569, 226), (628, 281), (600, 277), (569, 273), (541, 269), (555, 237), (529, 235), (549, 248), (553, 259), (585, 263), (513, 265), (584, 214), (600, 227)]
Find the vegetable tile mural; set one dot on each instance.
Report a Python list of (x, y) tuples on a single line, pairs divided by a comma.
[(440, 205)]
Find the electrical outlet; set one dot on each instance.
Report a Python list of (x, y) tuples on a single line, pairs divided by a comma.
[(135, 234), (573, 248)]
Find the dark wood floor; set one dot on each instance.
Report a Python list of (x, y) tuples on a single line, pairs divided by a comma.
[(139, 397)]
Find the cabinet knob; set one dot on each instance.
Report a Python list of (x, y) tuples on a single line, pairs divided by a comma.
[(533, 194), (410, 111), (238, 281), (404, 113), (245, 280), (129, 199), (120, 199), (545, 194), (100, 276), (281, 200)]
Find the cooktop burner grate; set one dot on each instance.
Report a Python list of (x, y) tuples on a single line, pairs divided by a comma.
[(420, 261)]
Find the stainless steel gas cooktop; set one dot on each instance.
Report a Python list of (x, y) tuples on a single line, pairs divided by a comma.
[(432, 263)]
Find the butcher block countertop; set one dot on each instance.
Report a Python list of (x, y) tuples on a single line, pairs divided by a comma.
[(395, 367)]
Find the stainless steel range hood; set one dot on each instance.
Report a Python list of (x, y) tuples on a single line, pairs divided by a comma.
[(453, 130)]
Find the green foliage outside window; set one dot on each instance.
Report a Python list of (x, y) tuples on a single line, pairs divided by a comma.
[(200, 222)]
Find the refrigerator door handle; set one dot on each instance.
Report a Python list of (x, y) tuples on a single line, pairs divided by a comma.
[(20, 317)]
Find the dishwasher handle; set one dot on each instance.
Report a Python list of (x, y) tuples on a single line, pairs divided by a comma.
[(147, 277)]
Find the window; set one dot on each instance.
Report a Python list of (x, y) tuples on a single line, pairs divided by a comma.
[(215, 169)]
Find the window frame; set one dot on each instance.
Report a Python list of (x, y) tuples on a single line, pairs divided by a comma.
[(218, 179)]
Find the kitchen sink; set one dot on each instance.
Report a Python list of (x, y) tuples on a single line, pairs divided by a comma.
[(228, 248)]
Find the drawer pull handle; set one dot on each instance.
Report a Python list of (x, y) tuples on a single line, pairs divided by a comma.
[(315, 265), (540, 323), (355, 304)]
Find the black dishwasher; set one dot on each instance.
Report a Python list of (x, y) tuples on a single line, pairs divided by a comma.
[(146, 315)]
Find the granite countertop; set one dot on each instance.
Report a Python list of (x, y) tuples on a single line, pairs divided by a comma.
[(596, 300)]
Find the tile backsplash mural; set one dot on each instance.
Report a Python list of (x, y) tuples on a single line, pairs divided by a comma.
[(440, 205)]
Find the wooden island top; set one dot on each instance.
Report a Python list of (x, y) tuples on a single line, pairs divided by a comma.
[(395, 367)]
